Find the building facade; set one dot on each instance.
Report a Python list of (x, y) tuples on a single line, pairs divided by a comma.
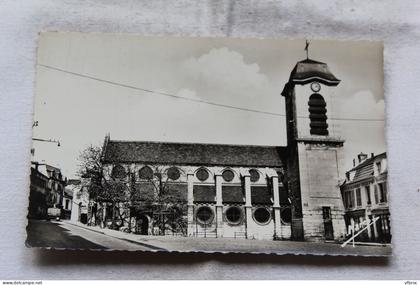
[(222, 190), (240, 191), (46, 190), (365, 197), (67, 203), (80, 202), (39, 195)]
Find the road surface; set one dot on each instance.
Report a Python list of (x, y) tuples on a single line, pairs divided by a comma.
[(61, 235), (64, 235)]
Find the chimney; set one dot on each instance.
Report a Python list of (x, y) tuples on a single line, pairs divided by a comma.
[(372, 154), (354, 162), (362, 157)]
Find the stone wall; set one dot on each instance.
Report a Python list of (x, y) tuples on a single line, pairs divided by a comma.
[(219, 226), (319, 167)]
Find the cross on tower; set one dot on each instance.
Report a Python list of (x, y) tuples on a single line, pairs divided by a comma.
[(307, 49)]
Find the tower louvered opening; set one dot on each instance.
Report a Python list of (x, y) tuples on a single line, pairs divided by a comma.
[(318, 115)]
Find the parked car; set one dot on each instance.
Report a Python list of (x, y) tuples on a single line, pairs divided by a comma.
[(54, 213)]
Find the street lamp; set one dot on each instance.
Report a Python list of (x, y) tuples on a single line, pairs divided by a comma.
[(50, 140)]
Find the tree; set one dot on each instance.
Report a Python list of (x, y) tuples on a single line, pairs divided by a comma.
[(168, 207), (102, 190), (154, 196), (165, 205)]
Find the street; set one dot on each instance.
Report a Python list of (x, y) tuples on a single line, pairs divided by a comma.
[(61, 235), (65, 235)]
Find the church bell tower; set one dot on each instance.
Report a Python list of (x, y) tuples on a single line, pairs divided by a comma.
[(314, 152)]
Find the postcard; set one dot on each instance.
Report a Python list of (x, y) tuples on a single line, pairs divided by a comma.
[(209, 145)]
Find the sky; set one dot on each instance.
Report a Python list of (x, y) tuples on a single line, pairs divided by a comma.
[(82, 91)]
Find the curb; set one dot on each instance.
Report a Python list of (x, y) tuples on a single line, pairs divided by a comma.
[(84, 227), (117, 237)]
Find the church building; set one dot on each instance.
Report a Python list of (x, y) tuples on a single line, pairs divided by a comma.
[(244, 191)]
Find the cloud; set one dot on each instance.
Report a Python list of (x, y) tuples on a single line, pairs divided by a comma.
[(362, 106), (362, 136), (222, 74), (187, 93)]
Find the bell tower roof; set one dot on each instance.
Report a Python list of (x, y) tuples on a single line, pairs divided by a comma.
[(308, 70)]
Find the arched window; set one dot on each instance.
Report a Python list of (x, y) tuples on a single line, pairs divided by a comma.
[(228, 175), (318, 115), (204, 215), (173, 173), (118, 171), (234, 215), (262, 216), (146, 173), (255, 176), (202, 174)]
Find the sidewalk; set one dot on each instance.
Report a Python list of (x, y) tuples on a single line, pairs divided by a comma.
[(116, 234), (194, 244)]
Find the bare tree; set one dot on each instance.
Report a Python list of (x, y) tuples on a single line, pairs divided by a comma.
[(168, 206), (155, 197), (102, 190), (165, 205)]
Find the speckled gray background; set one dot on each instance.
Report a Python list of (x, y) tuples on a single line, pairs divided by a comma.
[(396, 23)]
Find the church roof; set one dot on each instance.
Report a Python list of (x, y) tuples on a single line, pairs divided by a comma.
[(191, 154), (309, 70)]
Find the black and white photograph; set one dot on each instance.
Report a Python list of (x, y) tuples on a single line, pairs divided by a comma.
[(209, 145)]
